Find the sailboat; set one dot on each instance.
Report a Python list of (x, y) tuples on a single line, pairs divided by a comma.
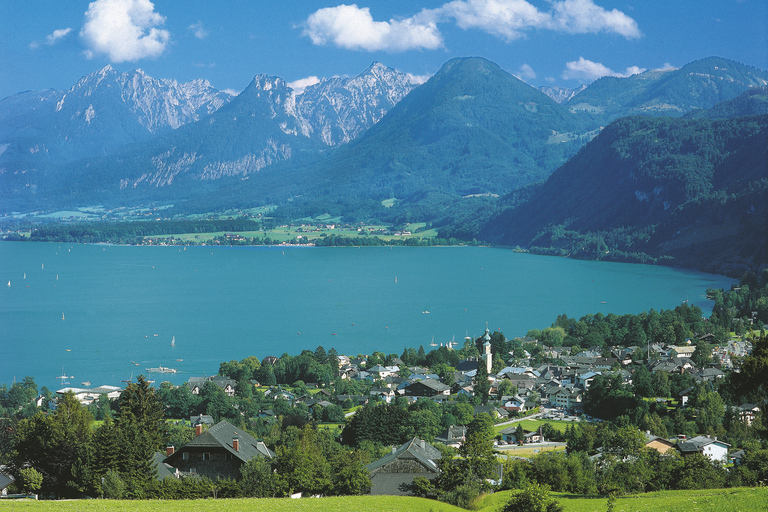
[(9, 284), (62, 316), (173, 341)]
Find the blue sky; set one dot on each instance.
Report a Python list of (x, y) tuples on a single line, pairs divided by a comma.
[(50, 44)]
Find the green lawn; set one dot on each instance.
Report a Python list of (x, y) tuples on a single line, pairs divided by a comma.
[(531, 425), (337, 504), (714, 500)]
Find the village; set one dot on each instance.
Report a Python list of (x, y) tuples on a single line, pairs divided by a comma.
[(550, 387)]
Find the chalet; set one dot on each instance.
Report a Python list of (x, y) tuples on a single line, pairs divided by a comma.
[(393, 473), (493, 412), (748, 412), (657, 443), (196, 384), (707, 374), (684, 350), (514, 404), (385, 394), (428, 388), (711, 448), (201, 419), (510, 434), (585, 379), (685, 395), (5, 480), (356, 399), (568, 398), (219, 452), (270, 360), (454, 436), (382, 372)]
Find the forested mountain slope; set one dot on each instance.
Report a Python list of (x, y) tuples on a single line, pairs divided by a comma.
[(687, 191)]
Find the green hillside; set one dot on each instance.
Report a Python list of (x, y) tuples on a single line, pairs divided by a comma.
[(671, 92), (692, 190), (713, 500)]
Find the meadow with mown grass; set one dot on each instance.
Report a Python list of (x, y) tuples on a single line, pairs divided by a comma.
[(743, 499)]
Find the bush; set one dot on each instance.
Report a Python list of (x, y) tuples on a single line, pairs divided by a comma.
[(534, 498)]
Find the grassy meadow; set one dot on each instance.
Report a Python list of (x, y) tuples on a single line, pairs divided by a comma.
[(711, 500)]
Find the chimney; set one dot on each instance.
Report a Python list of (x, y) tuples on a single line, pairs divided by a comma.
[(169, 450), (236, 444), (198, 429)]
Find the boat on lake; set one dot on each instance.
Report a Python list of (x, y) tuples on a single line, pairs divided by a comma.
[(173, 341), (161, 369)]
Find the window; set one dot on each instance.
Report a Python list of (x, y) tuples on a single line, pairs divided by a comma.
[(185, 456), (206, 456)]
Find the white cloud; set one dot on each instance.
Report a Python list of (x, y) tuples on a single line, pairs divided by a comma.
[(124, 30), (503, 18), (583, 16), (588, 71), (418, 79), (353, 28), (666, 67), (525, 72), (52, 38), (299, 85), (231, 92), (198, 30)]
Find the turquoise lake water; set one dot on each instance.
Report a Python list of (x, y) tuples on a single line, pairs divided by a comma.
[(104, 313)]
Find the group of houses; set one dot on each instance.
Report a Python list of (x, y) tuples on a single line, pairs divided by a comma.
[(219, 450)]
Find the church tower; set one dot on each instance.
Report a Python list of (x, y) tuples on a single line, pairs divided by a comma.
[(487, 349)]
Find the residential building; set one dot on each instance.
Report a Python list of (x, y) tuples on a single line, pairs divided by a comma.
[(393, 473), (219, 452)]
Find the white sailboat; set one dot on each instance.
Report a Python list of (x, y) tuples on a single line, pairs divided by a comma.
[(9, 284), (173, 341)]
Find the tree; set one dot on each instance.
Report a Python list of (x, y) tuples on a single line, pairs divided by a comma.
[(58, 447), (303, 467), (141, 430), (112, 485), (534, 498), (30, 480), (751, 383), (482, 384)]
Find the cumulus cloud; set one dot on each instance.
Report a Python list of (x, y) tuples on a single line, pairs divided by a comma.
[(418, 79), (504, 18), (525, 72), (53, 38), (198, 30), (583, 16), (587, 71), (299, 85), (124, 30), (353, 28)]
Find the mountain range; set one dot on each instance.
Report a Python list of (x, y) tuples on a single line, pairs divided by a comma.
[(474, 150)]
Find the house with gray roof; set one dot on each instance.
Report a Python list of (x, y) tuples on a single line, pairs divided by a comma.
[(393, 473), (219, 452), (710, 447)]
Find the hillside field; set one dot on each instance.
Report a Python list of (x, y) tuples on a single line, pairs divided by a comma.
[(709, 500)]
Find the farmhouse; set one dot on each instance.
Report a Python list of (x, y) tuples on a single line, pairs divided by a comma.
[(219, 452), (393, 473)]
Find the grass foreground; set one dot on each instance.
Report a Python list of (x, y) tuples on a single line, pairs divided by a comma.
[(742, 499)]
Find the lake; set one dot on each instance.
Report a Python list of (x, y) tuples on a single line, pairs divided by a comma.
[(103, 313)]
